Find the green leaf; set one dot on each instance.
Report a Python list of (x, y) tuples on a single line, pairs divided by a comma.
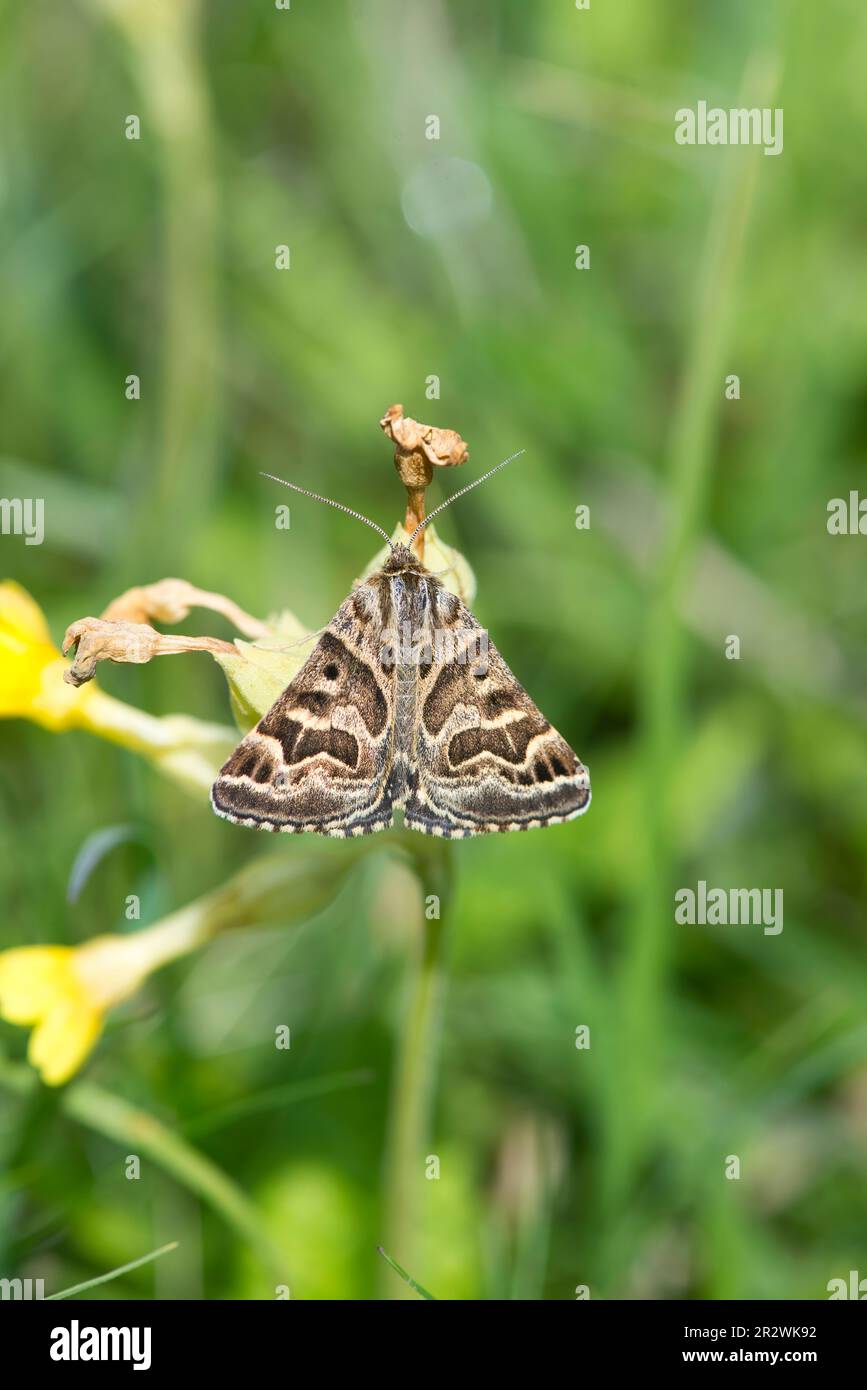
[(259, 672)]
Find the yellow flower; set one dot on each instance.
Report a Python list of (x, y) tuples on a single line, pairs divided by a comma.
[(31, 667), (64, 992), (32, 687), (39, 985)]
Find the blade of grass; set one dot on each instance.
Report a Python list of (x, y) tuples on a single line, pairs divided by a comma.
[(114, 1273), (407, 1278)]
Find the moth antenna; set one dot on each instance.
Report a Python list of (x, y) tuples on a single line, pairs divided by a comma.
[(339, 505), (455, 495)]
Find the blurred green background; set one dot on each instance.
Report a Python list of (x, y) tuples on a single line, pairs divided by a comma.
[(411, 258)]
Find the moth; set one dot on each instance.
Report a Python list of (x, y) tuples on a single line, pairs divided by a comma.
[(403, 704)]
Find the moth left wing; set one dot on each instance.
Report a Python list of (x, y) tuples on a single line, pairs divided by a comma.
[(485, 758), (321, 758)]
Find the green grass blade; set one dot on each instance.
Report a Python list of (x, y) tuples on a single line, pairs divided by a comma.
[(114, 1273), (407, 1278)]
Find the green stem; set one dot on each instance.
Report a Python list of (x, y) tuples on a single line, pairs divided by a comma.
[(412, 1086)]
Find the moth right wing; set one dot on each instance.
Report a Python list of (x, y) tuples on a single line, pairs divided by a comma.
[(321, 758), (485, 758)]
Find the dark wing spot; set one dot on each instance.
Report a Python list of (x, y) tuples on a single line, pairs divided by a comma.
[(286, 731), (497, 701), (509, 744), (542, 771), (299, 742), (312, 700), (252, 762), (338, 743), (358, 684), (449, 686), (331, 672), (557, 765)]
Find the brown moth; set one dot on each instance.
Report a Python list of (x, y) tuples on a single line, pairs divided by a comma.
[(403, 704)]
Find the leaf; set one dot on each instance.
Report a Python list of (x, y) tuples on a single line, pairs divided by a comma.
[(259, 673), (92, 852)]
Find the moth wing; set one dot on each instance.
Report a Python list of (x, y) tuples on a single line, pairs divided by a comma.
[(321, 758), (485, 758)]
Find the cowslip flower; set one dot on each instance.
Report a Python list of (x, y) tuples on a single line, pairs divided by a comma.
[(31, 667), (32, 686), (64, 992)]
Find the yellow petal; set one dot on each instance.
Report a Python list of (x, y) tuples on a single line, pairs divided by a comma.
[(22, 665), (21, 618), (34, 980), (31, 667), (60, 1044)]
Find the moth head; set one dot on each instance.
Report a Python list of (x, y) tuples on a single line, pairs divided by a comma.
[(402, 559)]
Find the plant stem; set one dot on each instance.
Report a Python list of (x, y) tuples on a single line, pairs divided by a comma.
[(412, 1085)]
